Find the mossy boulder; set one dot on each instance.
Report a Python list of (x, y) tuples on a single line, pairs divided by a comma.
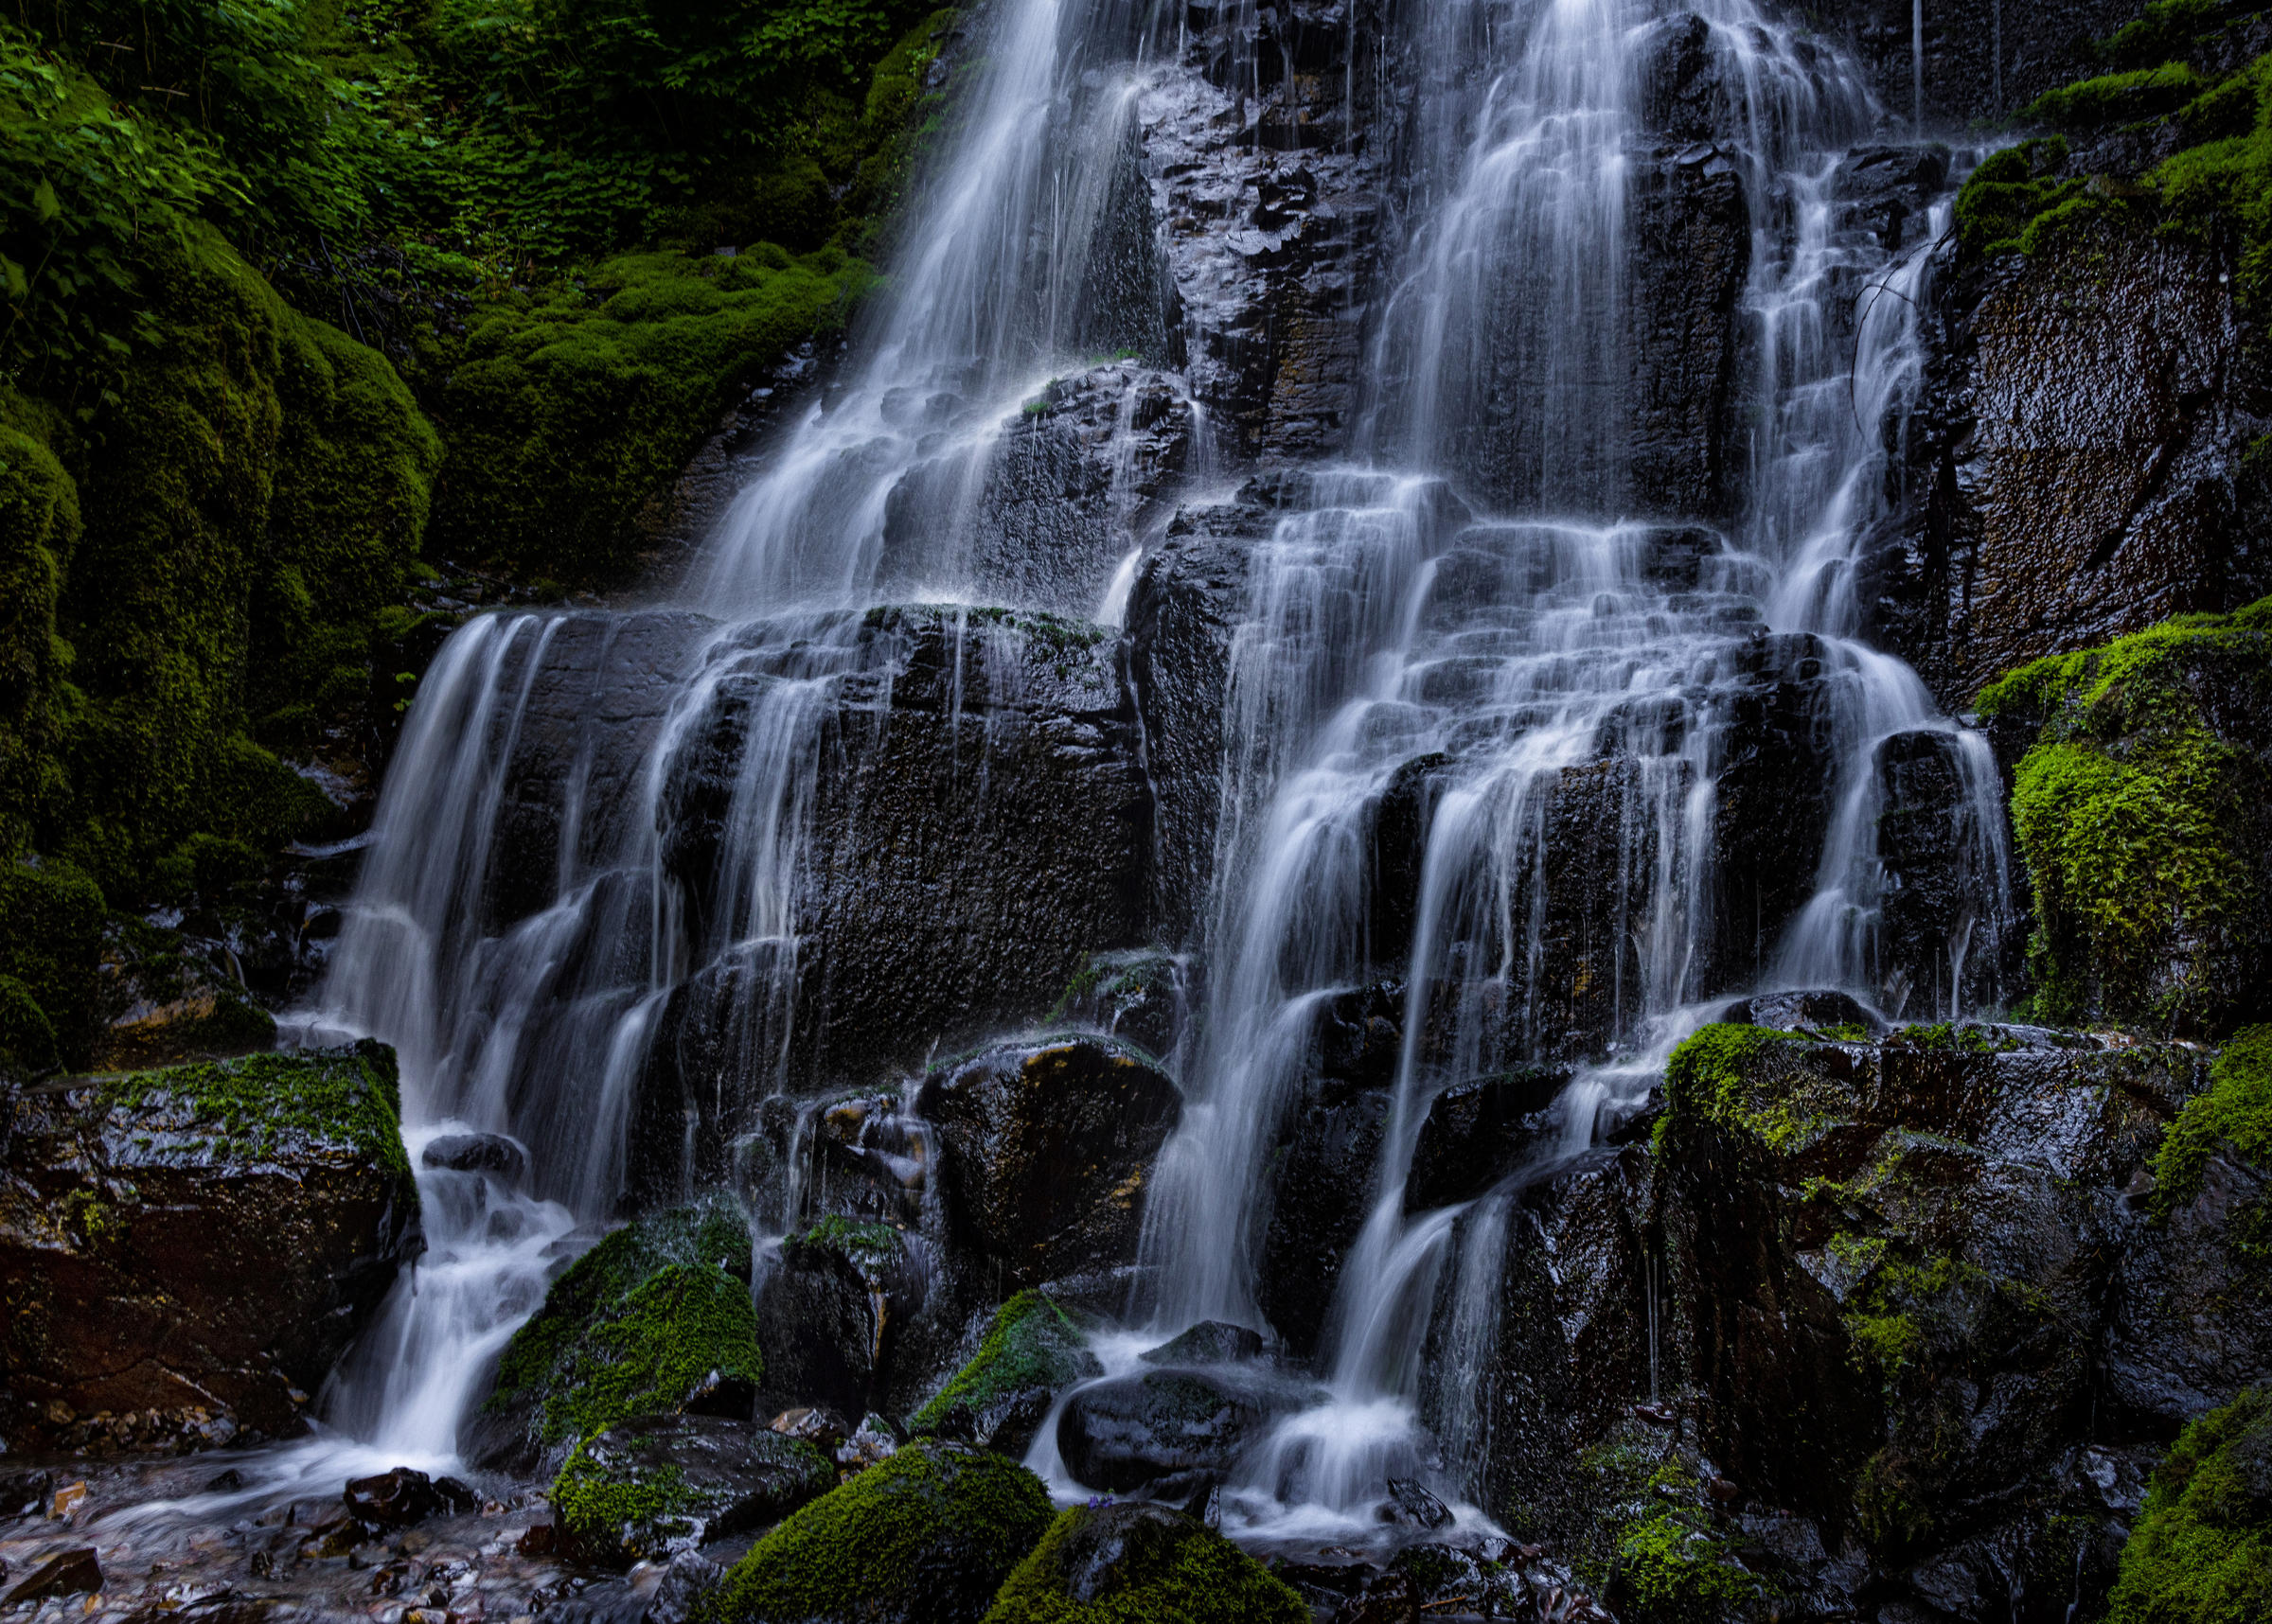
[(926, 1537), (186, 1252), (652, 1486), (2235, 1113), (1135, 1562), (656, 1318), (2143, 809), (2202, 1552), (1033, 1350)]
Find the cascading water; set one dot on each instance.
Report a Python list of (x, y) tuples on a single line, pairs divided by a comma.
[(1464, 615)]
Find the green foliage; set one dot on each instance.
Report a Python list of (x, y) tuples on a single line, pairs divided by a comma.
[(934, 1514), (2137, 822), (2202, 1552), (635, 1325), (2236, 1111), (2168, 29), (1180, 1573), (1031, 1343), (2010, 193), (49, 950), (565, 414), (342, 1096)]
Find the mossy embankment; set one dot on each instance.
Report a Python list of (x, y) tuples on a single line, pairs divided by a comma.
[(308, 307)]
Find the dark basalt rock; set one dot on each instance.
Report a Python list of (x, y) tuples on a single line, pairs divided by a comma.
[(73, 1572), (1479, 1131), (831, 1312), (1128, 1431), (404, 1497), (185, 1253), (1889, 191), (1047, 1152), (2077, 457), (1032, 1349), (654, 1486), (1189, 599), (1412, 1502), (1942, 943), (1068, 485), (477, 1153), (1210, 1342), (1322, 1188)]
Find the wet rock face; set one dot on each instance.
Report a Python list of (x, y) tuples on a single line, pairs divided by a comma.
[(977, 831), (1951, 1212), (1538, 1340), (1069, 485), (1479, 1131), (831, 1313), (1269, 156), (1943, 943), (649, 1488), (1047, 1154), (2079, 450), (185, 1253), (1187, 608)]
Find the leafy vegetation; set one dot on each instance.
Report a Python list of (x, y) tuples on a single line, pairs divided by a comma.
[(2236, 1111), (300, 297)]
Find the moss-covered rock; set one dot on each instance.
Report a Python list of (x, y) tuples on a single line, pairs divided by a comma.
[(2143, 810), (2202, 1552), (1033, 1350), (51, 948), (656, 1318), (926, 1537), (39, 530), (185, 1253), (1141, 1564), (2236, 1112), (655, 1485)]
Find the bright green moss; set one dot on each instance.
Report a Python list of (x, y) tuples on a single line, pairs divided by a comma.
[(252, 1104), (592, 1504), (2166, 28), (1032, 1343), (2202, 1552), (1676, 1569), (937, 1519), (2134, 819), (2009, 191), (635, 1325), (1168, 1572), (2115, 99), (1727, 1075), (2235, 1111)]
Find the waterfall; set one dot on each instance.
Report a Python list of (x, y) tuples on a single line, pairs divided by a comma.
[(1509, 605)]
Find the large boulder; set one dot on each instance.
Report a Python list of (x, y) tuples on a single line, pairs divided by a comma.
[(1047, 1153), (926, 1537), (1181, 1425), (833, 1308), (1104, 1563), (656, 1318), (653, 1486), (186, 1252)]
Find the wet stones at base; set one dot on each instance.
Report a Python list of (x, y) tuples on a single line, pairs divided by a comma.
[(1210, 1342), (654, 1486), (404, 1497)]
